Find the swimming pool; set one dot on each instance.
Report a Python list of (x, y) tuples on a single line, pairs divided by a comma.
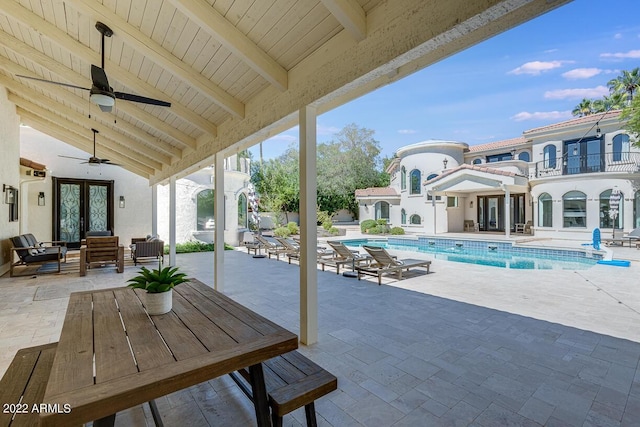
[(494, 254)]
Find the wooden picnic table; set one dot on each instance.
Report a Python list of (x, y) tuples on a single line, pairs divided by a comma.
[(112, 355)]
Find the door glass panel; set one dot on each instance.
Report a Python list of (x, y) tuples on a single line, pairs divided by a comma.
[(97, 208), (492, 212), (573, 158), (70, 212), (593, 156), (481, 201)]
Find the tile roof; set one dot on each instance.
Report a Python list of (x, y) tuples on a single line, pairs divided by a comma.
[(513, 142), (466, 166), (591, 118), (376, 192)]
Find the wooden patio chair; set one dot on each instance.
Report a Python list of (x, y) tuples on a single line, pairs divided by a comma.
[(292, 250), (101, 250), (272, 248), (385, 263), (343, 256)]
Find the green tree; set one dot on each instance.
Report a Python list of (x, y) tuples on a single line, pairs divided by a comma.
[(584, 108), (631, 113), (626, 83), (278, 184)]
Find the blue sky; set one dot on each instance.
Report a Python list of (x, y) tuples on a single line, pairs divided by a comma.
[(527, 77)]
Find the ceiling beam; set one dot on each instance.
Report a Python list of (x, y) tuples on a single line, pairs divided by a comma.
[(89, 56), (126, 148), (214, 23), (350, 15), (156, 53), (51, 126), (69, 97)]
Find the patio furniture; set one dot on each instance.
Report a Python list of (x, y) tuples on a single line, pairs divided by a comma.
[(99, 233), (385, 263), (272, 248), (634, 236), (292, 381), (112, 355), (342, 256), (523, 228), (32, 252), (23, 384), (146, 247), (292, 249), (249, 241), (101, 251), (469, 225)]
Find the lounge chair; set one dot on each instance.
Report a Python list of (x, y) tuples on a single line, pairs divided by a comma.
[(272, 248), (342, 256), (634, 236), (292, 250), (101, 251), (385, 263)]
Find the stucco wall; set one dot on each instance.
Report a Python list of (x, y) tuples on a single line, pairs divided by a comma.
[(9, 173)]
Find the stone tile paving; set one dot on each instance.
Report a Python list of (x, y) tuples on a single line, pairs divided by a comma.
[(465, 346)]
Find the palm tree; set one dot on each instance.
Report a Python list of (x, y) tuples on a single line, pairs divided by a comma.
[(626, 83), (585, 108)]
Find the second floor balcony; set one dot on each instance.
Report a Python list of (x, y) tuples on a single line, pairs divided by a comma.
[(587, 163)]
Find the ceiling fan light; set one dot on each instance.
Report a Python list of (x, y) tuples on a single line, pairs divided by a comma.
[(102, 99)]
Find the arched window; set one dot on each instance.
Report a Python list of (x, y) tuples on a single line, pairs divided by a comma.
[(620, 147), (204, 207), (415, 219), (636, 210), (415, 182), (477, 161), (545, 210), (606, 215), (430, 177), (382, 210), (403, 178), (242, 211), (403, 216), (574, 209), (549, 154), (524, 156)]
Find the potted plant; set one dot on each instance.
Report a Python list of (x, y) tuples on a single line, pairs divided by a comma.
[(159, 284)]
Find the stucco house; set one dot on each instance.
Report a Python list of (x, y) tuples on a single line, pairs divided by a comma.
[(553, 181)]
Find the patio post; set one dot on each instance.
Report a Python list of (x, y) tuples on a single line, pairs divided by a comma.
[(172, 220), (507, 211), (308, 227), (154, 210), (218, 216)]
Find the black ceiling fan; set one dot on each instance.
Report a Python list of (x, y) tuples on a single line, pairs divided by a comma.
[(100, 92), (93, 160)]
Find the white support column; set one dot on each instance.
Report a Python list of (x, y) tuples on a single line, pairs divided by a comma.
[(308, 228), (218, 216), (154, 210), (172, 220), (507, 211)]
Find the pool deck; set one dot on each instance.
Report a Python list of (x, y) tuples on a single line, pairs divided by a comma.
[(467, 345)]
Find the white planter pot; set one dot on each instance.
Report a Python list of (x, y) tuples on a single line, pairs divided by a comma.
[(159, 303)]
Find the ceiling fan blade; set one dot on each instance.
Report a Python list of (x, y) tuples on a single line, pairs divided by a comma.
[(69, 157), (105, 108), (51, 82), (141, 99), (99, 78)]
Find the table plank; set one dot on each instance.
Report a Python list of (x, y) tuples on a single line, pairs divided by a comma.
[(113, 356), (148, 348), (73, 364)]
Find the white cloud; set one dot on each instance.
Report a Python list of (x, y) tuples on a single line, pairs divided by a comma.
[(617, 36), (595, 92), (407, 131), (283, 137), (581, 73), (535, 68), (632, 54), (542, 115), (327, 130)]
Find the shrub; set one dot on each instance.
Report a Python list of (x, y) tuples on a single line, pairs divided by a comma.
[(375, 230), (293, 228), (367, 224), (382, 221), (323, 216), (327, 225), (194, 246), (281, 232), (334, 231), (397, 230)]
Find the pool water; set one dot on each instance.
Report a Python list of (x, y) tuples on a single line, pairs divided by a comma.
[(494, 254)]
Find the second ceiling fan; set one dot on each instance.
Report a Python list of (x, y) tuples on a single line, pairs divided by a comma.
[(93, 160), (100, 93)]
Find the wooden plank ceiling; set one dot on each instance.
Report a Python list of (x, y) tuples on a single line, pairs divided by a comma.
[(234, 71)]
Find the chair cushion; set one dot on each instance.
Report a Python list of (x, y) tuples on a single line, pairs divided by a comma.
[(31, 239)]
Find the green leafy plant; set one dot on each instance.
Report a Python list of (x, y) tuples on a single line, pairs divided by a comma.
[(157, 280), (334, 230), (195, 246), (281, 232), (327, 225), (376, 229), (397, 230), (293, 228), (367, 224)]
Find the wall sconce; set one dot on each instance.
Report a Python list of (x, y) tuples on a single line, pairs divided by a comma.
[(471, 204), (41, 198), (9, 194), (598, 132), (444, 162), (121, 203)]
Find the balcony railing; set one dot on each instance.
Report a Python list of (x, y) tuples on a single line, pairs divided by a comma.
[(588, 163)]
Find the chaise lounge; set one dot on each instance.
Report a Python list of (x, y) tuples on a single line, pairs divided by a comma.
[(32, 252), (385, 263)]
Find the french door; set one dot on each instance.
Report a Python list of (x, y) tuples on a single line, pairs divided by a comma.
[(491, 215), (81, 205)]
